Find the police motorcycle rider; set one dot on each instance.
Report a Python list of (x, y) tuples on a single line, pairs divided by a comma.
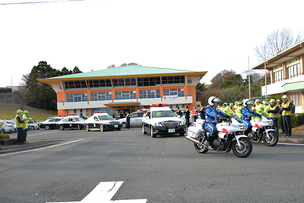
[(212, 115), (247, 112)]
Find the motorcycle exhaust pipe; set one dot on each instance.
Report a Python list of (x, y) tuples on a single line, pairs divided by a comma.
[(195, 141)]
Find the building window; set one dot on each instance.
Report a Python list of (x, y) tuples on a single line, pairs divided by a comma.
[(100, 83), (278, 76), (179, 92), (125, 95), (130, 81), (149, 94), (75, 84), (173, 79), (294, 70), (152, 81), (98, 96), (77, 97), (118, 82)]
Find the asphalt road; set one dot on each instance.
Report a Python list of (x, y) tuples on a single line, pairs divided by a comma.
[(162, 169)]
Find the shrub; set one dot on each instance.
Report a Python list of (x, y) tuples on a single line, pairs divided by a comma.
[(4, 136)]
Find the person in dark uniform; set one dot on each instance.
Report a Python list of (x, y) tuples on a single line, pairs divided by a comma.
[(179, 112), (187, 116), (128, 119), (202, 111)]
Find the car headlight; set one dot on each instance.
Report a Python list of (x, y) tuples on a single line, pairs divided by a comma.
[(158, 124), (182, 123)]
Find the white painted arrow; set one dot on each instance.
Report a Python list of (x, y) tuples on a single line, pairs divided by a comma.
[(104, 192)]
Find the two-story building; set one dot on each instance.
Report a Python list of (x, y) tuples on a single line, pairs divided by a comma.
[(286, 75), (127, 88)]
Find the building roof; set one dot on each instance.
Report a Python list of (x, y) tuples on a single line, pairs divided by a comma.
[(285, 55), (123, 72)]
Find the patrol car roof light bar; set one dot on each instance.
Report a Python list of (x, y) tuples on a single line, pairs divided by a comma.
[(159, 105)]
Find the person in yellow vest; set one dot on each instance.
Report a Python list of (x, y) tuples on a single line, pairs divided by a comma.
[(25, 115), (266, 107), (226, 109), (19, 125), (259, 107), (273, 112), (286, 112), (238, 110)]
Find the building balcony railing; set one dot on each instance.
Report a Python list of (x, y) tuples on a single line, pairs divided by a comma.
[(112, 99), (277, 87), (282, 79)]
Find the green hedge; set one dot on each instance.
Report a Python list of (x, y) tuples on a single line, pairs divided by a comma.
[(296, 120), (6, 90), (4, 136)]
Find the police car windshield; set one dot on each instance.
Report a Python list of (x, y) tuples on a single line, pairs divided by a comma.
[(78, 119), (160, 114), (105, 117)]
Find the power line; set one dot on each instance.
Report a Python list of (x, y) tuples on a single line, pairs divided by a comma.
[(37, 2)]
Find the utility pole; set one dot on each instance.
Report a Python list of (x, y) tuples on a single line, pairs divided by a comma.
[(265, 73), (249, 77)]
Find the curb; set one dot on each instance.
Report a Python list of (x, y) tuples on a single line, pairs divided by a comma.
[(291, 140), (28, 146)]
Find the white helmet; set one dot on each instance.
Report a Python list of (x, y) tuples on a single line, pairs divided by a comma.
[(247, 101), (213, 99)]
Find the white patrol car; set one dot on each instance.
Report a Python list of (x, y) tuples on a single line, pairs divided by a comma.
[(71, 121), (162, 120), (101, 121)]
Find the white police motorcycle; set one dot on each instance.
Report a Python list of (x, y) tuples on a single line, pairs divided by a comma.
[(262, 130), (229, 136)]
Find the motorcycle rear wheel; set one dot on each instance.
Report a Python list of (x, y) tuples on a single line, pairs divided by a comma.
[(246, 147), (200, 149), (273, 139)]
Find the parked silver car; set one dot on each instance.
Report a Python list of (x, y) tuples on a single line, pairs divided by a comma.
[(8, 128), (33, 125)]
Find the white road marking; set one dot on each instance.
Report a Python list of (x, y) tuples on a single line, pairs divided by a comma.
[(292, 144), (38, 149), (104, 192)]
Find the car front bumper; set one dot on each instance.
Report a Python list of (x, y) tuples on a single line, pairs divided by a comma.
[(160, 130)]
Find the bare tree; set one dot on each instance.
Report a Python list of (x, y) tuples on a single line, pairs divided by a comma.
[(277, 41)]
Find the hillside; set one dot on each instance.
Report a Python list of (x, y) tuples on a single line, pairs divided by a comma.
[(8, 111)]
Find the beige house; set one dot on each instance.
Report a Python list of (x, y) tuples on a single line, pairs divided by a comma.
[(286, 75)]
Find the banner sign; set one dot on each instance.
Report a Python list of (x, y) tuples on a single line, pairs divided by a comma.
[(171, 97)]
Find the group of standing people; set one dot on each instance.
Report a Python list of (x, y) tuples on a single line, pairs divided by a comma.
[(194, 113), (21, 124), (286, 108)]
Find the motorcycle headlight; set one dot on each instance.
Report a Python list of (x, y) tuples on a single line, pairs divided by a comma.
[(242, 127)]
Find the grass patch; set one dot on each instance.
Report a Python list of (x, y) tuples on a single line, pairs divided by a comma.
[(298, 130), (8, 111)]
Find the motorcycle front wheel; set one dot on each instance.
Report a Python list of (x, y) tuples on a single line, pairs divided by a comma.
[(244, 150), (273, 139)]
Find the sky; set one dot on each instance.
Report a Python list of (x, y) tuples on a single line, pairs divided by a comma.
[(197, 35)]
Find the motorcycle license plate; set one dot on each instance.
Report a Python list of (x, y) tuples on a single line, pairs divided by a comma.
[(171, 130), (115, 126)]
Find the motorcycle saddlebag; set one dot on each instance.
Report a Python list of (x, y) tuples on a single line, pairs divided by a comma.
[(194, 131)]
